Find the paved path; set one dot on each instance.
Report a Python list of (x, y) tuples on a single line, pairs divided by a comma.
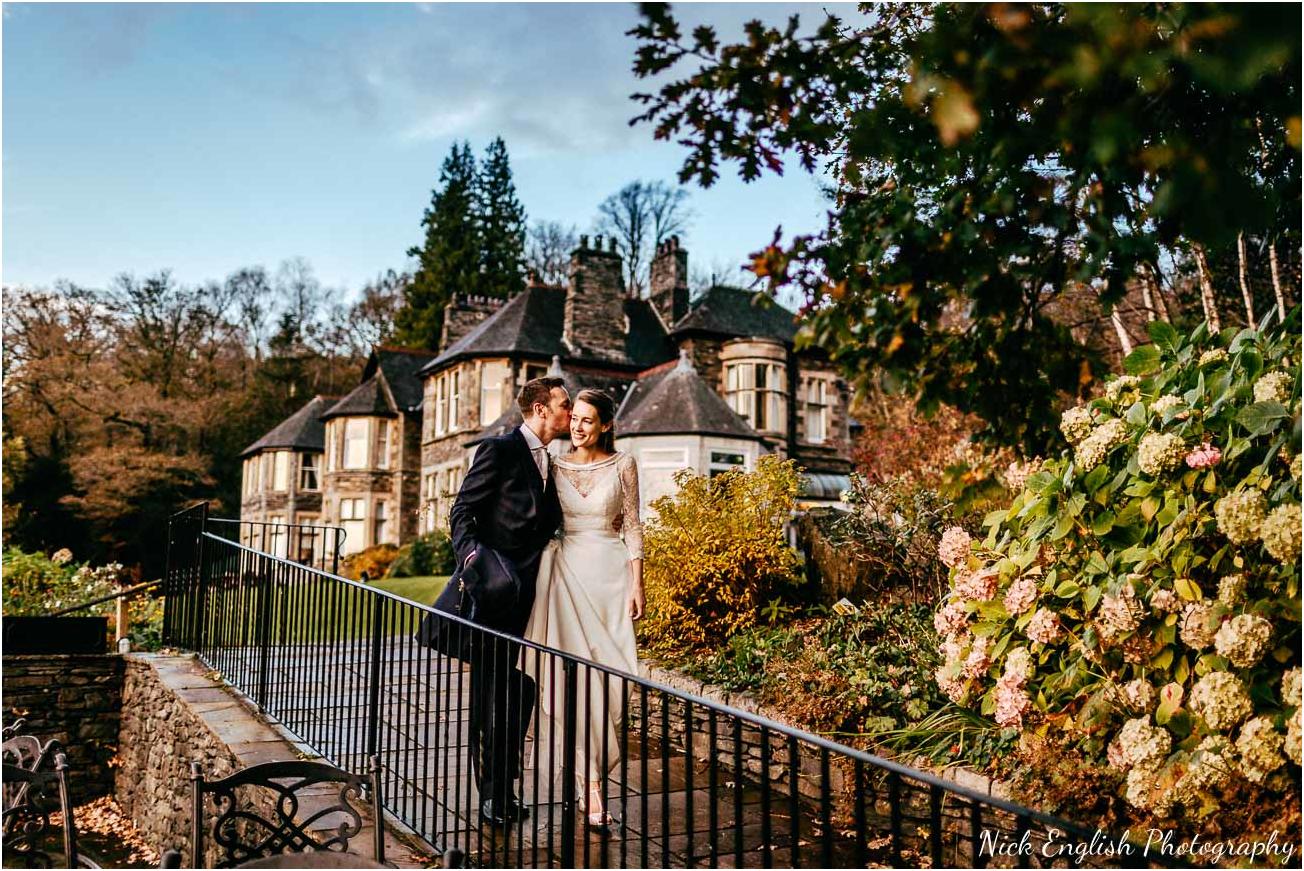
[(669, 817)]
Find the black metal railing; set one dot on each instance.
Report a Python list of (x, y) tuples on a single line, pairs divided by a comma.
[(306, 544), (690, 783)]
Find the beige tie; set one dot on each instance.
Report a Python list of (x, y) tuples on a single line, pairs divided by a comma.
[(541, 460)]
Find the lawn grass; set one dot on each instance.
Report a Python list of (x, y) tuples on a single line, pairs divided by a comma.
[(423, 590)]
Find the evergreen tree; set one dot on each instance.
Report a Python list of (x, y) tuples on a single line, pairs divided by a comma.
[(502, 225), (449, 261)]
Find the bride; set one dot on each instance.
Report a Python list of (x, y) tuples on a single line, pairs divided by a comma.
[(590, 592)]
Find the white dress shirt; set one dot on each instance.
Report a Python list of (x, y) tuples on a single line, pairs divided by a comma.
[(538, 450)]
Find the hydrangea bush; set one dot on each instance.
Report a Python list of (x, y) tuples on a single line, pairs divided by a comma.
[(1141, 596)]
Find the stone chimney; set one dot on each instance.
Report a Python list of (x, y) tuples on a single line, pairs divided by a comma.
[(594, 320), (670, 281), (463, 314)]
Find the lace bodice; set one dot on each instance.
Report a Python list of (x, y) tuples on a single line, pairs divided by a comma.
[(596, 493)]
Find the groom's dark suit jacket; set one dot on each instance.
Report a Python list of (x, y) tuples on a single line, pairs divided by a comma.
[(503, 504)]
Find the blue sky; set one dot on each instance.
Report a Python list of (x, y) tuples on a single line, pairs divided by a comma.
[(202, 138)]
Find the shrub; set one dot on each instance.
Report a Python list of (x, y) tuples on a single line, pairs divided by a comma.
[(429, 554), (1141, 595), (375, 561), (35, 584), (892, 531), (715, 553)]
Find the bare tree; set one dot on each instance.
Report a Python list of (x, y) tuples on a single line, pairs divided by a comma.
[(640, 216), (721, 270), (302, 302), (355, 329), (252, 292), (548, 245)]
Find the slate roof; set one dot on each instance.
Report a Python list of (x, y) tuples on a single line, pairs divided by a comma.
[(302, 431), (402, 369), (734, 312), (531, 323), (392, 368), (674, 399)]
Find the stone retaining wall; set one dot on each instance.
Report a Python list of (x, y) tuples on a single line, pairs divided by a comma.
[(76, 700), (161, 733)]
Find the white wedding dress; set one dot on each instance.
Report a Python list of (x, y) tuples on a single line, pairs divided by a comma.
[(581, 606)]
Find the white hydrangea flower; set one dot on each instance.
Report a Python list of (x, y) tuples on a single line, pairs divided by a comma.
[(1231, 590), (1273, 387), (1281, 532), (1139, 695), (1094, 447), (1143, 792), (1159, 452), (1018, 664), (1124, 390), (1243, 639), (1143, 745), (1199, 625), (1119, 614), (1220, 699), (1240, 515), (1294, 736), (954, 547), (1259, 747), (1212, 765), (1292, 688), (1213, 357), (1076, 424), (1165, 601), (1164, 404)]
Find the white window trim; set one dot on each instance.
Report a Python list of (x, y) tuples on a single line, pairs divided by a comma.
[(649, 459)]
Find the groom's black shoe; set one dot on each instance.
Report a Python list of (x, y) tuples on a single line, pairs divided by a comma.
[(501, 813)]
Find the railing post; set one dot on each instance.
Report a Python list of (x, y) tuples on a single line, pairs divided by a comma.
[(265, 593), (335, 552), (201, 596), (570, 715), (373, 700)]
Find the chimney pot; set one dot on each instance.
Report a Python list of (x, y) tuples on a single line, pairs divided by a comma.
[(584, 241)]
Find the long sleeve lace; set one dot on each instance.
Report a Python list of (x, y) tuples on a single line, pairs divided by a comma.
[(631, 525)]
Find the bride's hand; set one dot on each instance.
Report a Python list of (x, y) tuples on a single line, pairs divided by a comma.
[(636, 603)]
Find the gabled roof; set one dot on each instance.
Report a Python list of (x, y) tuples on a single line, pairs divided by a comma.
[(401, 368), (531, 323), (734, 312), (390, 385), (301, 431), (368, 398), (674, 399)]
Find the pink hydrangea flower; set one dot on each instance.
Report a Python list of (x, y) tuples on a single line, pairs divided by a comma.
[(1011, 701), (954, 548), (1203, 457)]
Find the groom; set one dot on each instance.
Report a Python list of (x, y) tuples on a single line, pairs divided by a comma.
[(508, 504)]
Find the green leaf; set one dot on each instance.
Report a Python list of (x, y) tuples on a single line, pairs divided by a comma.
[(1188, 589), (1163, 334), (1103, 523), (1092, 596), (1062, 527), (1168, 702), (1149, 507), (1144, 359), (1067, 590), (1262, 417), (1163, 660)]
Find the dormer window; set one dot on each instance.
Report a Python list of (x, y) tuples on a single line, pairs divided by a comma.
[(309, 464)]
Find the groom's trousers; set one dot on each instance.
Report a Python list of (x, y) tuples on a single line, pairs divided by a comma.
[(502, 703)]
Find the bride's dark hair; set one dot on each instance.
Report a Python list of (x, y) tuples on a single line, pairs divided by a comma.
[(606, 407)]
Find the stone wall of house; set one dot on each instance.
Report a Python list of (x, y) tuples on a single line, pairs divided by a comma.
[(705, 354), (465, 313), (76, 700), (594, 318)]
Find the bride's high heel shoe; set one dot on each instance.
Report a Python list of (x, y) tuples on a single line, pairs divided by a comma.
[(598, 820)]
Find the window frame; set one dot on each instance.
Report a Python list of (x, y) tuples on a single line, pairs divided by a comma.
[(363, 441)]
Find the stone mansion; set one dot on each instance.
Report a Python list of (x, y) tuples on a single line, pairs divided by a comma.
[(705, 385)]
